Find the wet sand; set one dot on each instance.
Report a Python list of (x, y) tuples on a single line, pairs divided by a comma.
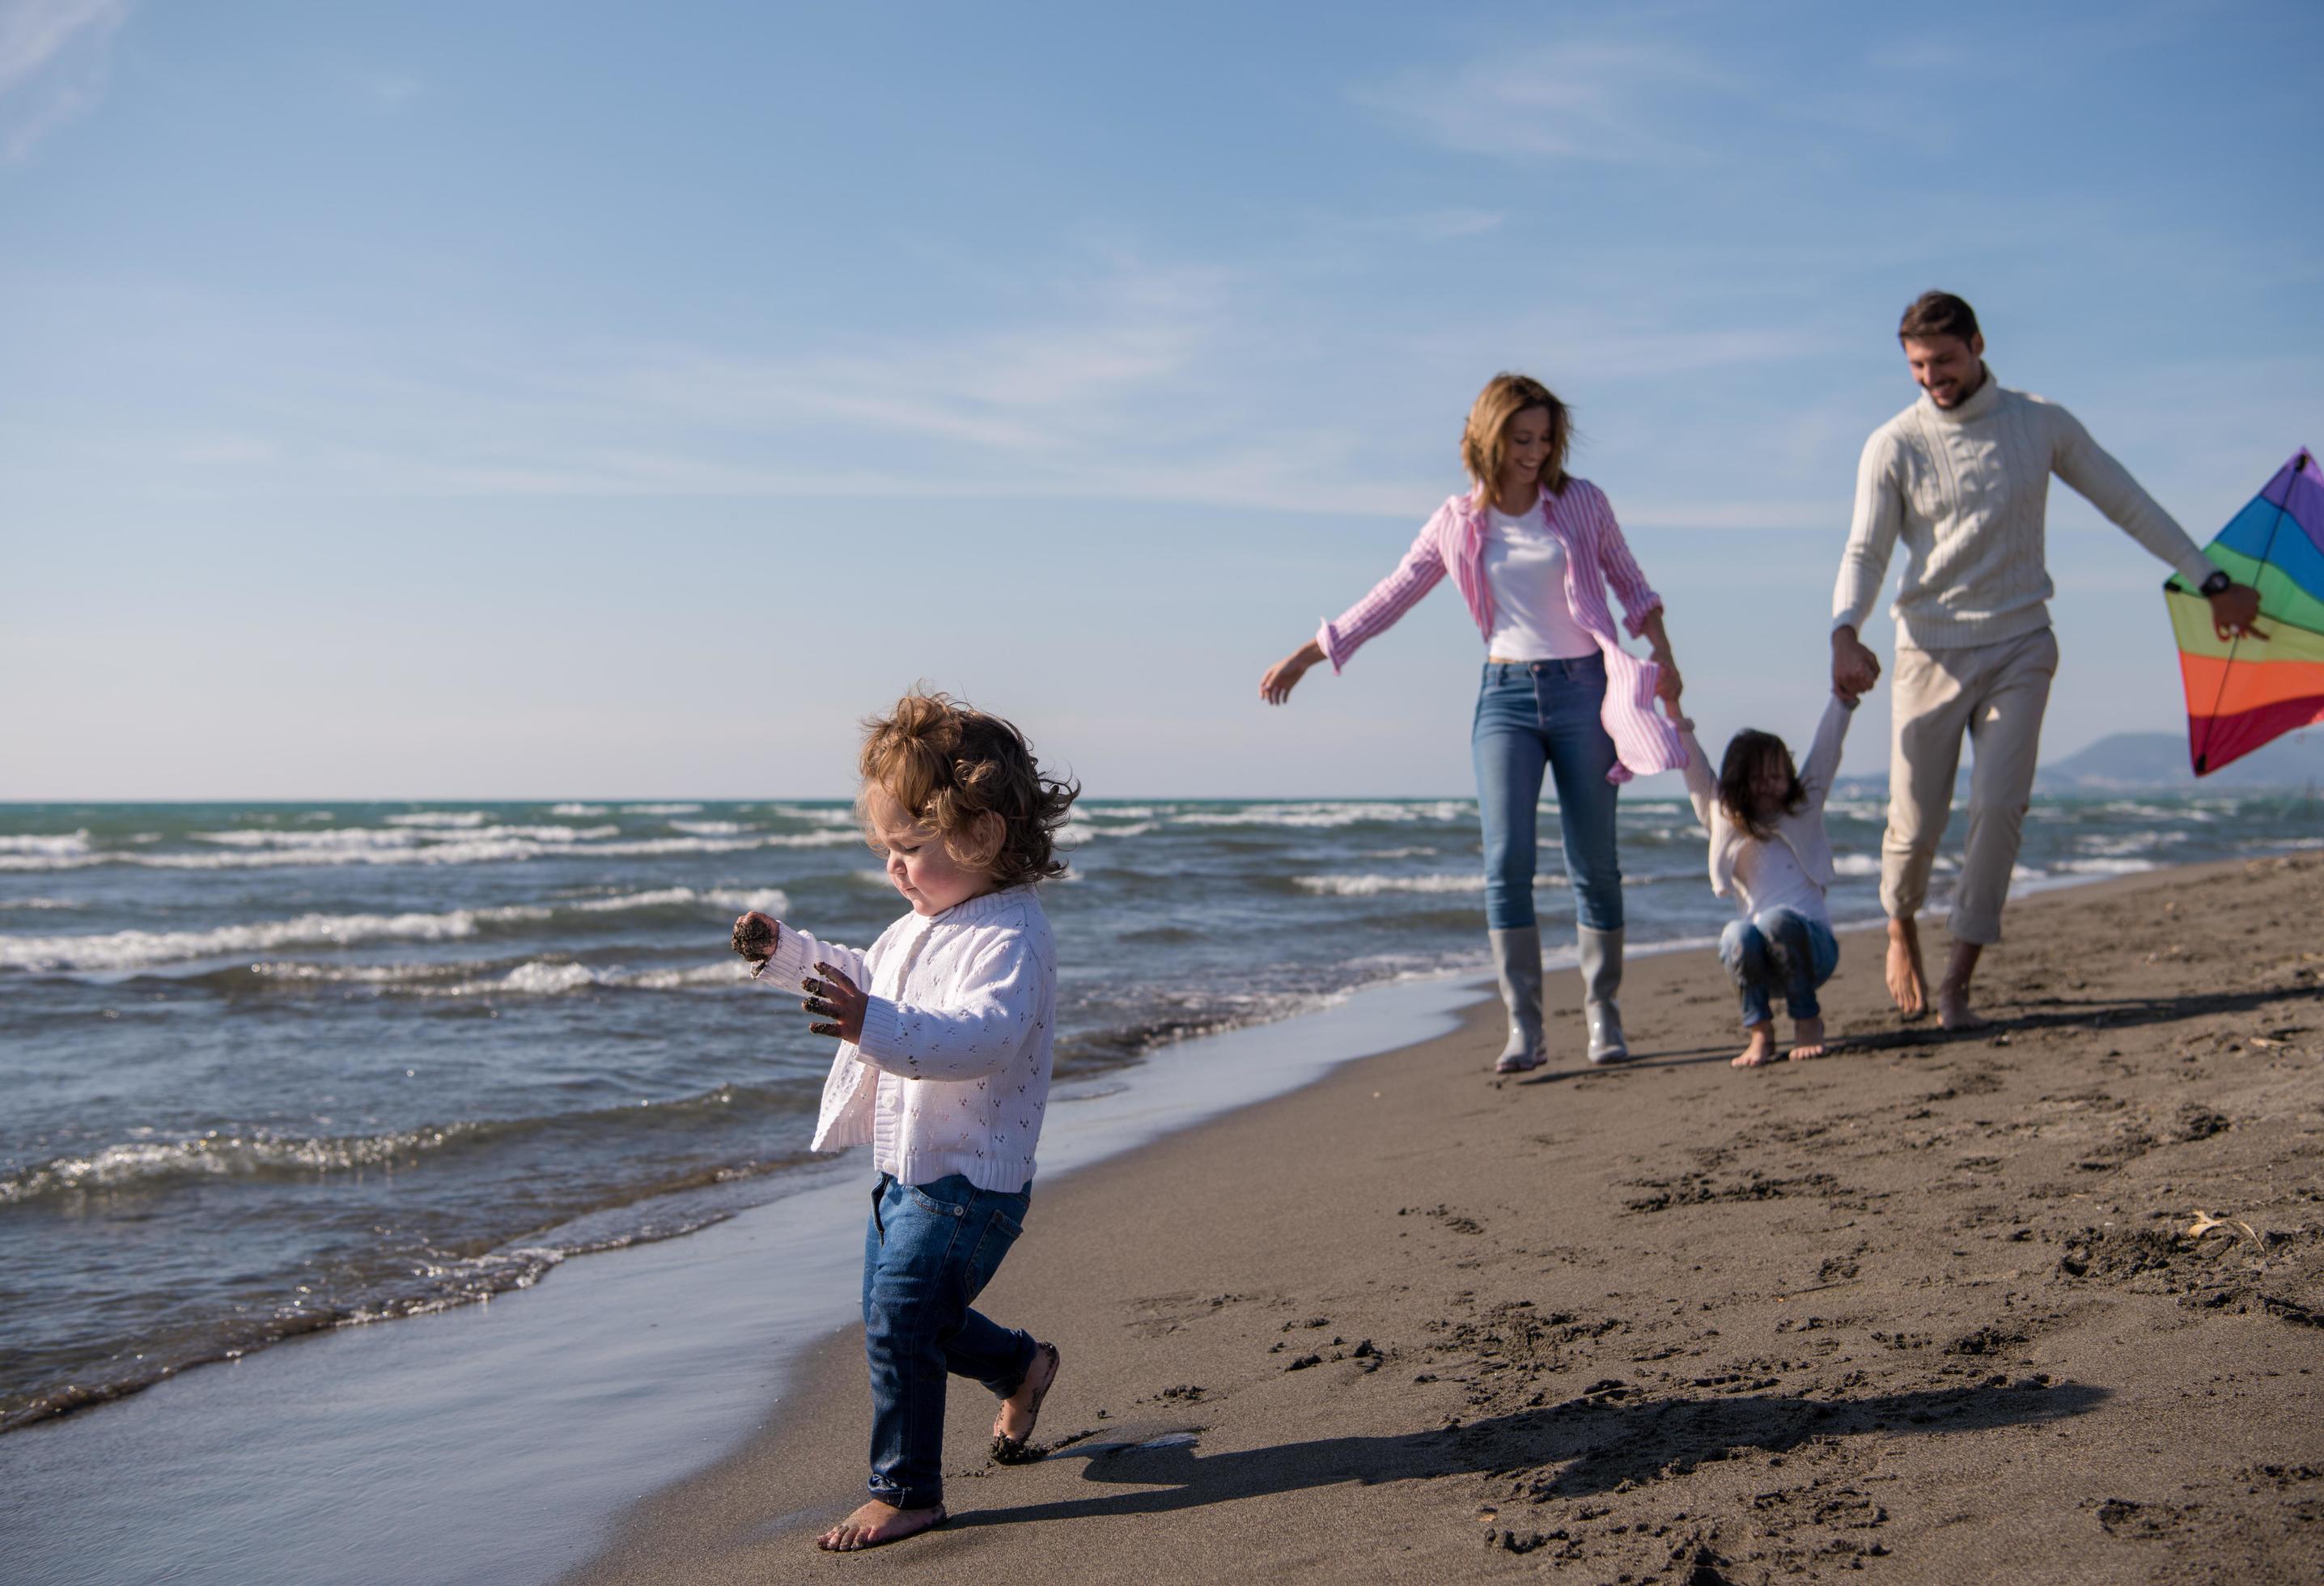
[(1928, 1309)]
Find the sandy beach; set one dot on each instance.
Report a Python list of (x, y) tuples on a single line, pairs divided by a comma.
[(1933, 1308)]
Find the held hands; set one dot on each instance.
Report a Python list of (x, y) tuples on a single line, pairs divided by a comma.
[(1668, 684), (1854, 668), (836, 998)]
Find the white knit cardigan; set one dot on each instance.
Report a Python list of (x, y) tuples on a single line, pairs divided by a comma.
[(952, 1074)]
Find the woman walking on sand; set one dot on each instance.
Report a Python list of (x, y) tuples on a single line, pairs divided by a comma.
[(1532, 550)]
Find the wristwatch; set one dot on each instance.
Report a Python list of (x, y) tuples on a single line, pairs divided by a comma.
[(2219, 583)]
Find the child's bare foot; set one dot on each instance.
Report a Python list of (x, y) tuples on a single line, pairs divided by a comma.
[(1020, 1412), (1908, 982), (1953, 1010), (877, 1523), (1807, 1039), (1762, 1049)]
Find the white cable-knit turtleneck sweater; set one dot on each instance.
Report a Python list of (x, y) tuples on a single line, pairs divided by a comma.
[(952, 1075), (1967, 490)]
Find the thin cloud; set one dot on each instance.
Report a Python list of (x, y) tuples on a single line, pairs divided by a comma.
[(392, 91), (1608, 102), (1036, 388), (1432, 225), (53, 56)]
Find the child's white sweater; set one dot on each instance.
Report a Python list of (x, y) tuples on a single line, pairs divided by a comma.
[(1800, 831), (952, 1075)]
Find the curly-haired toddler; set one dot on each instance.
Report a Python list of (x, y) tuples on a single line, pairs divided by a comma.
[(945, 1028)]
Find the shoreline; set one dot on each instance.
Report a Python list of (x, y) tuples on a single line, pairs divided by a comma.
[(797, 1177), (558, 1402), (1195, 1378)]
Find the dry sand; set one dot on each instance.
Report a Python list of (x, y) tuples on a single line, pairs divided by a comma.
[(1929, 1309)]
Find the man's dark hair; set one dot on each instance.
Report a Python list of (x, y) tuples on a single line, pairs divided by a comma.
[(1936, 314)]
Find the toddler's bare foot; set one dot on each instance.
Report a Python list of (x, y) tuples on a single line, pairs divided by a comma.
[(1908, 982), (1953, 1010), (1761, 1051), (877, 1523), (1807, 1039), (1020, 1412)]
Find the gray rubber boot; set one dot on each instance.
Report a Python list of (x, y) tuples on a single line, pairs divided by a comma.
[(1517, 959), (1601, 981)]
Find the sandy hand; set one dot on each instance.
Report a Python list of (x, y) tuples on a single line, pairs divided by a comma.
[(754, 940)]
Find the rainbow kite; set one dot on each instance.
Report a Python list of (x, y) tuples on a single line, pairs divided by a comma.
[(2242, 691)]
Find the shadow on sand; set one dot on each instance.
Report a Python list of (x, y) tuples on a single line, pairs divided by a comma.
[(2040, 1013), (2091, 1013), (1596, 1443)]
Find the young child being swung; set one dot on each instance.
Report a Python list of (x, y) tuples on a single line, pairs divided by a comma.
[(1768, 852), (945, 1025)]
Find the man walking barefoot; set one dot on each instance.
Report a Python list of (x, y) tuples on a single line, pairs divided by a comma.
[(1962, 478)]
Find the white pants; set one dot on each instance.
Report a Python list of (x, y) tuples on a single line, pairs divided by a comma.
[(1996, 693)]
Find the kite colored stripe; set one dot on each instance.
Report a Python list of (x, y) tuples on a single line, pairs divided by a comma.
[(2216, 688), (2190, 625), (2215, 741), (2265, 530), (2302, 491)]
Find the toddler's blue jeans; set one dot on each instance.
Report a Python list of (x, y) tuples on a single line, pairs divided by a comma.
[(1779, 949), (929, 1250)]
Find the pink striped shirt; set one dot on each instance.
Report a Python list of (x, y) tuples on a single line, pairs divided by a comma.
[(1596, 554)]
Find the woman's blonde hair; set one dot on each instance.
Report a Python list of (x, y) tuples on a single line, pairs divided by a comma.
[(947, 765), (1485, 442)]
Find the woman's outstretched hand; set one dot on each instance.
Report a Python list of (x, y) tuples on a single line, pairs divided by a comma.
[(1668, 685), (1283, 676)]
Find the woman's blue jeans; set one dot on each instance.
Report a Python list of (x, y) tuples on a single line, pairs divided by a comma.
[(929, 1250), (1778, 949), (1539, 715)]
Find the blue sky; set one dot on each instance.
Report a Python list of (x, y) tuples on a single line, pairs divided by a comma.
[(530, 399)]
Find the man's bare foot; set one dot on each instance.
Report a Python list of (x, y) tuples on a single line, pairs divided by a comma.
[(1762, 1049), (1954, 1012), (1908, 981), (1807, 1039), (1020, 1412), (877, 1523)]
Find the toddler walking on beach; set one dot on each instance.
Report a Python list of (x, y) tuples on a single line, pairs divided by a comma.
[(943, 1069), (1769, 853)]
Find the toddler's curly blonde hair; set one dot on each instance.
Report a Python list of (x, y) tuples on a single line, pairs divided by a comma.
[(947, 765)]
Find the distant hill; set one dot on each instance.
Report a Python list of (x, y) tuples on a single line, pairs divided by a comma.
[(2128, 762)]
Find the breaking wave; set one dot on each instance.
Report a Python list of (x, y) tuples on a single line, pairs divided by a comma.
[(132, 950)]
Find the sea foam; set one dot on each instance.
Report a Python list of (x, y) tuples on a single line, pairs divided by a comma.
[(132, 950)]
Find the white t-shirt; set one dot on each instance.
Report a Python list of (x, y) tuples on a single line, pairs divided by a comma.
[(1525, 567), (1769, 874)]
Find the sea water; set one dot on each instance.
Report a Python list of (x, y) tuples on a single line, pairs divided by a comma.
[(271, 1069)]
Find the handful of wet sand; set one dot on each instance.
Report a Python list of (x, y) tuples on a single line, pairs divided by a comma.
[(754, 940)]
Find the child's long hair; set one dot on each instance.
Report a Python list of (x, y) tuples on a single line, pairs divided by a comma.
[(946, 765), (1747, 751)]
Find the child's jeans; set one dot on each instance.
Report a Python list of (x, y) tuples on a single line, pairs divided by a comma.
[(929, 1250), (1779, 949)]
